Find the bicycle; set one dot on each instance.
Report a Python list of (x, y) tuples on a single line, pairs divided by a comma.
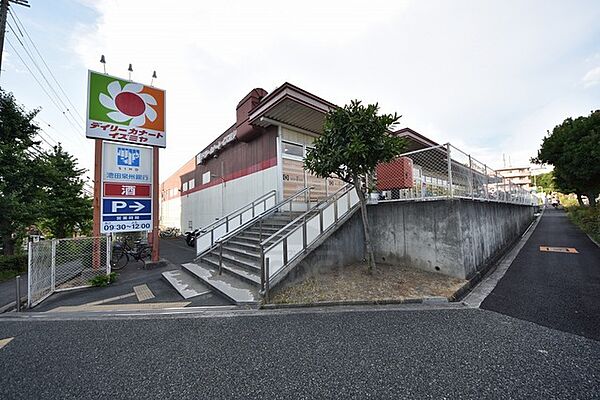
[(169, 233), (122, 252)]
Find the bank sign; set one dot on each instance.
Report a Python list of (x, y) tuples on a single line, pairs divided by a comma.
[(126, 188), (125, 111)]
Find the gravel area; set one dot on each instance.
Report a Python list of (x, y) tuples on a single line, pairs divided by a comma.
[(389, 282)]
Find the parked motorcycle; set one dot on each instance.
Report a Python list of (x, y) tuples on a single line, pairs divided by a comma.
[(190, 237)]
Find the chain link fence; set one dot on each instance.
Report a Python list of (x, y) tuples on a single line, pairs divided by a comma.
[(63, 264), (445, 172)]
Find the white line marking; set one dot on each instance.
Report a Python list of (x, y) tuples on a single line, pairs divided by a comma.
[(4, 342)]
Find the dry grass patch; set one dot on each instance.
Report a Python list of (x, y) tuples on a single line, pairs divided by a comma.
[(390, 282)]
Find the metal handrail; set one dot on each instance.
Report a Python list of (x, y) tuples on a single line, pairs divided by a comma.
[(265, 214), (237, 212), (257, 219), (326, 200), (264, 262), (210, 229)]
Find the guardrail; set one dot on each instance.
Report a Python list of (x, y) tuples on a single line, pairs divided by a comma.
[(445, 171), (210, 234), (260, 218), (292, 240)]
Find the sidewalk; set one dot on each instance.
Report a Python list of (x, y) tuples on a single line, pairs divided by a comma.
[(8, 291), (122, 291), (557, 290)]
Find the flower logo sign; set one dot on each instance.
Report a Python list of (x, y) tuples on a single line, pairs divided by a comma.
[(125, 111)]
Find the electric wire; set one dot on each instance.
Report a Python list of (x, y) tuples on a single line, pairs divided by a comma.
[(16, 18), (57, 97)]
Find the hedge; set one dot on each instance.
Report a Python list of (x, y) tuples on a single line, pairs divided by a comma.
[(13, 263)]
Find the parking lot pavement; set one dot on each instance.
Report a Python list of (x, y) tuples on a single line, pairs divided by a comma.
[(175, 251)]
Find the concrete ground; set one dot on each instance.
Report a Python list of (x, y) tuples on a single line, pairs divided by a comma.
[(8, 291), (557, 290), (174, 250)]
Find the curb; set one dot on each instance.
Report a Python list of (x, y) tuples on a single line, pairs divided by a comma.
[(333, 303)]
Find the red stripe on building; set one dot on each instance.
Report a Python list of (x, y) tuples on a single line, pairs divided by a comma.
[(235, 175)]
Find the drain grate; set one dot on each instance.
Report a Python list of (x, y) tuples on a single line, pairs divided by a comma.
[(143, 292), (570, 250)]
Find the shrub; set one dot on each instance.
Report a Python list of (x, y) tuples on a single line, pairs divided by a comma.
[(14, 263), (587, 218), (103, 280)]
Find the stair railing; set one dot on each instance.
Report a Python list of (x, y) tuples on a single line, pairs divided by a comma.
[(258, 219), (214, 231), (287, 244)]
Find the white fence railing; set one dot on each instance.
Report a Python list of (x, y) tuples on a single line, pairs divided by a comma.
[(291, 242), (64, 264), (211, 234), (445, 172)]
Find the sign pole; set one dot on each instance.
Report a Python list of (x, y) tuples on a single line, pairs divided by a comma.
[(155, 209), (96, 203), (97, 186)]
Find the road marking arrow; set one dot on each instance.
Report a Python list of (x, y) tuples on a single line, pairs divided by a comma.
[(4, 342)]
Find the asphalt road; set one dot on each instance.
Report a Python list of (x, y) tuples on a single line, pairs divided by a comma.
[(440, 354), (557, 290)]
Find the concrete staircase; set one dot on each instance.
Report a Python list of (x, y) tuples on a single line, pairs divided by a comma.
[(239, 280)]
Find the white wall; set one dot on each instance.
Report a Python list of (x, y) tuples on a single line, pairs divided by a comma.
[(204, 206), (170, 214)]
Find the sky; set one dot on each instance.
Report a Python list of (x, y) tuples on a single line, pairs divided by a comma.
[(490, 77)]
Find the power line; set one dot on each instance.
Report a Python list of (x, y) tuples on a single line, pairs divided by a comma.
[(14, 16), (80, 135), (43, 75)]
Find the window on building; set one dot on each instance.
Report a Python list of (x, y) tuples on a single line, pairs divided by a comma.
[(293, 150), (191, 184), (184, 187), (206, 177)]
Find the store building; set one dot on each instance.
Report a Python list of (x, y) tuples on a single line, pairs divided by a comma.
[(262, 151)]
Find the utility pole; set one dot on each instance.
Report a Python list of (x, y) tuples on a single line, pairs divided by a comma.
[(3, 17)]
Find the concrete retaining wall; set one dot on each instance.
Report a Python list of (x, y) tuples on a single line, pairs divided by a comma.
[(455, 237), (344, 247)]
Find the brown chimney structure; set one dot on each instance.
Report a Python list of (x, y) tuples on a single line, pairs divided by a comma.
[(244, 131)]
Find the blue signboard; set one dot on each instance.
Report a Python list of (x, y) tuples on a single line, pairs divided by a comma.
[(126, 206), (126, 215), (128, 157)]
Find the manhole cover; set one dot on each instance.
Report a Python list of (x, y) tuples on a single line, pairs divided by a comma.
[(559, 249)]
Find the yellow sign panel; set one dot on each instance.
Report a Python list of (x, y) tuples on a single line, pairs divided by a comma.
[(551, 249)]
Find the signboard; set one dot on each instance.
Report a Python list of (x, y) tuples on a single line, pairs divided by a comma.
[(126, 204), (126, 164), (125, 111)]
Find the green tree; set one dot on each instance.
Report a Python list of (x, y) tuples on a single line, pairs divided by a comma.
[(20, 167), (66, 209), (573, 148), (545, 181), (355, 139)]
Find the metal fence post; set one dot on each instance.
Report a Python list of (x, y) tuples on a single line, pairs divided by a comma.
[(267, 280), (448, 155), (18, 292), (53, 270), (472, 178), (29, 257), (108, 253)]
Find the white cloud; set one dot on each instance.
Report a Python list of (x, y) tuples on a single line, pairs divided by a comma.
[(490, 77), (592, 77)]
